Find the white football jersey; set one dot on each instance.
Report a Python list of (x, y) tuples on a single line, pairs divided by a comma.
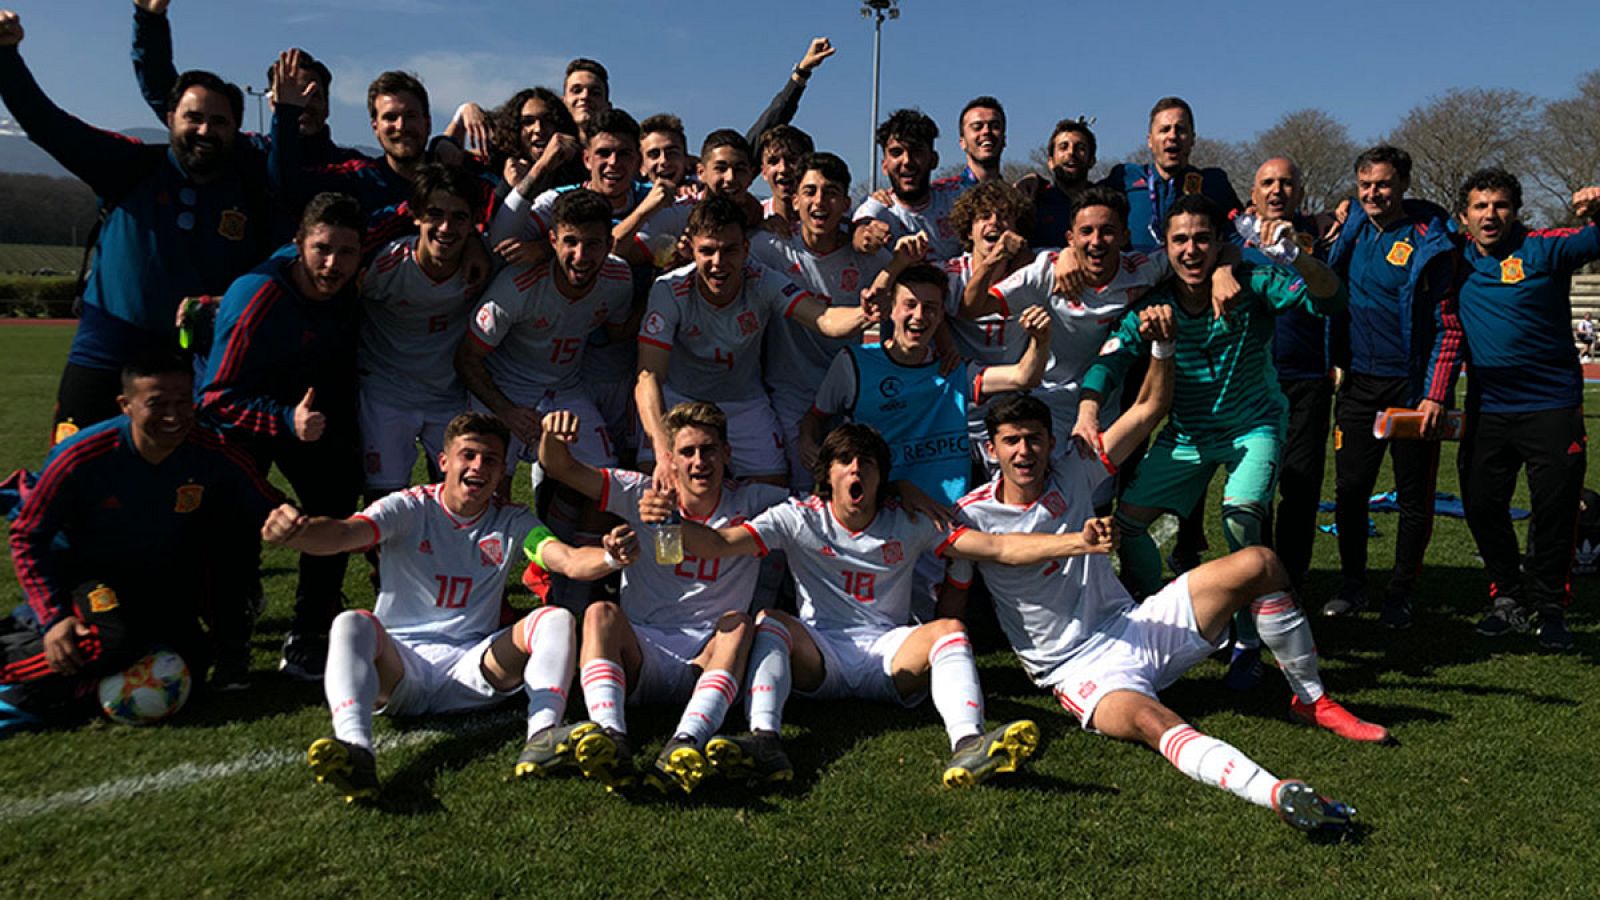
[(846, 579), (1080, 323), (410, 328), (695, 591), (537, 335), (1051, 610), (932, 218), (797, 357), (443, 578), (716, 350), (993, 340)]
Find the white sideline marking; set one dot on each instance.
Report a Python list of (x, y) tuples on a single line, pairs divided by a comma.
[(182, 776)]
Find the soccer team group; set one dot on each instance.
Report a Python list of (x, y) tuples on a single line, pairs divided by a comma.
[(798, 432)]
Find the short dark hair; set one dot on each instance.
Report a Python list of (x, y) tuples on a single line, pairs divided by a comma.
[(1166, 103), (983, 102), (453, 180), (155, 363), (1100, 195), (786, 136), (579, 207), (507, 120), (333, 210), (926, 273), (1072, 126), (909, 126), (1383, 154), (200, 78), (1011, 409), (1490, 179), (592, 66), (319, 73), (852, 440), (991, 197), (392, 83), (830, 165), (477, 424), (615, 122), (665, 123), (725, 137), (1195, 205), (713, 214)]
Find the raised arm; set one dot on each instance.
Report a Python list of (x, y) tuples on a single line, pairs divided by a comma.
[(153, 69), (787, 101), (647, 396), (558, 430), (619, 548), (1027, 372), (656, 506), (287, 526), (1129, 431)]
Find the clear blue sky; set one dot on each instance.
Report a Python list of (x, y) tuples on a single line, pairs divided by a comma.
[(1242, 64)]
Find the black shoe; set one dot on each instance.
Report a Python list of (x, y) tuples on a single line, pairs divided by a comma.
[(304, 656), (1506, 617), (231, 672), (1553, 633), (1396, 613)]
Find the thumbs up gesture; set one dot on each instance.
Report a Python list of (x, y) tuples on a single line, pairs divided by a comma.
[(308, 423)]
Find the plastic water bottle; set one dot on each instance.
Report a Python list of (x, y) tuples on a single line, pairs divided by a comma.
[(669, 540)]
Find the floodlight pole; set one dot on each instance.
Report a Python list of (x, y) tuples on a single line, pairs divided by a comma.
[(877, 10), (261, 120)]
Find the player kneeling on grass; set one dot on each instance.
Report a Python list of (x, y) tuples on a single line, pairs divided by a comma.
[(1079, 633), (852, 550), (435, 644), (681, 632)]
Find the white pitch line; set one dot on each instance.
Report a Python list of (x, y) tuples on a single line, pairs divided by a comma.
[(182, 776)]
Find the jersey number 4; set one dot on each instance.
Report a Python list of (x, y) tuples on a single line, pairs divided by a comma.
[(453, 591)]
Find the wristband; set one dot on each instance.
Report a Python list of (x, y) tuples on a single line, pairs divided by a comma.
[(802, 74), (1285, 252), (533, 544), (612, 562), (1163, 349)]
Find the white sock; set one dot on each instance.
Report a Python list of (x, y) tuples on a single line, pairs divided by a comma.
[(1210, 761), (552, 643), (955, 689), (769, 675), (1285, 631), (350, 679), (605, 690), (709, 703)]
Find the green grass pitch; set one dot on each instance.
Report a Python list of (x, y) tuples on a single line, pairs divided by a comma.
[(1488, 795)]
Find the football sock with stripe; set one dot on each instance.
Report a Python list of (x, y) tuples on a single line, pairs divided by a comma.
[(1285, 631), (709, 703), (605, 690), (954, 685), (1210, 761), (551, 639), (769, 675)]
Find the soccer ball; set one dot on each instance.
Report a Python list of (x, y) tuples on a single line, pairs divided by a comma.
[(148, 691)]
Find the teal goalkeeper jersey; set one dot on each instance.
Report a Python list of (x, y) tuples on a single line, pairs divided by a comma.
[(1226, 383)]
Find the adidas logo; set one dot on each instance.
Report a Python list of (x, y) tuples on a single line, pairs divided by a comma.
[(111, 503), (542, 323), (1575, 449), (425, 546)]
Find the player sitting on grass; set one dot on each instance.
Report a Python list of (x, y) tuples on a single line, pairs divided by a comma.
[(681, 633), (1079, 633), (126, 494), (852, 550), (435, 642)]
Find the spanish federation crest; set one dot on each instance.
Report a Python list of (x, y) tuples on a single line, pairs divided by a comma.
[(1399, 253), (232, 225), (189, 498), (1511, 270), (893, 553), (1192, 183), (492, 550)]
